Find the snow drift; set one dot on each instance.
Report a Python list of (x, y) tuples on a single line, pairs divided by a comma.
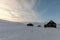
[(19, 31)]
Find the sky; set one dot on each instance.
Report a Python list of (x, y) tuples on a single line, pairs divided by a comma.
[(30, 10)]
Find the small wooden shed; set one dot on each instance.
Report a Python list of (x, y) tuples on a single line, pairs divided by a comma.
[(30, 24)]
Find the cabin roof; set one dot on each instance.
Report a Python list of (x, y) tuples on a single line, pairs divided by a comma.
[(51, 21)]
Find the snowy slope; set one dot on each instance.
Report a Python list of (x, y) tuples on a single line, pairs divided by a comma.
[(19, 31)]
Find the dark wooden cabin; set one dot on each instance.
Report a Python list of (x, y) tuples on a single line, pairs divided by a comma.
[(50, 24), (30, 24)]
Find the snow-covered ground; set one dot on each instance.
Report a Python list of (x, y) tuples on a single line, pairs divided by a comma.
[(19, 31)]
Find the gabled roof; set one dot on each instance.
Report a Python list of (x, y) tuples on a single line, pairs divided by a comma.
[(51, 21)]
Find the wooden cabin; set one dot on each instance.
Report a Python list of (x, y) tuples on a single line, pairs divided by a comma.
[(50, 24)]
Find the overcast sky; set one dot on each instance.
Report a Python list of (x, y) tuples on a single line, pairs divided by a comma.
[(30, 10)]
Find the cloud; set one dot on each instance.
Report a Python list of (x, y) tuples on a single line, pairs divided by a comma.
[(26, 8), (18, 10), (8, 9)]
